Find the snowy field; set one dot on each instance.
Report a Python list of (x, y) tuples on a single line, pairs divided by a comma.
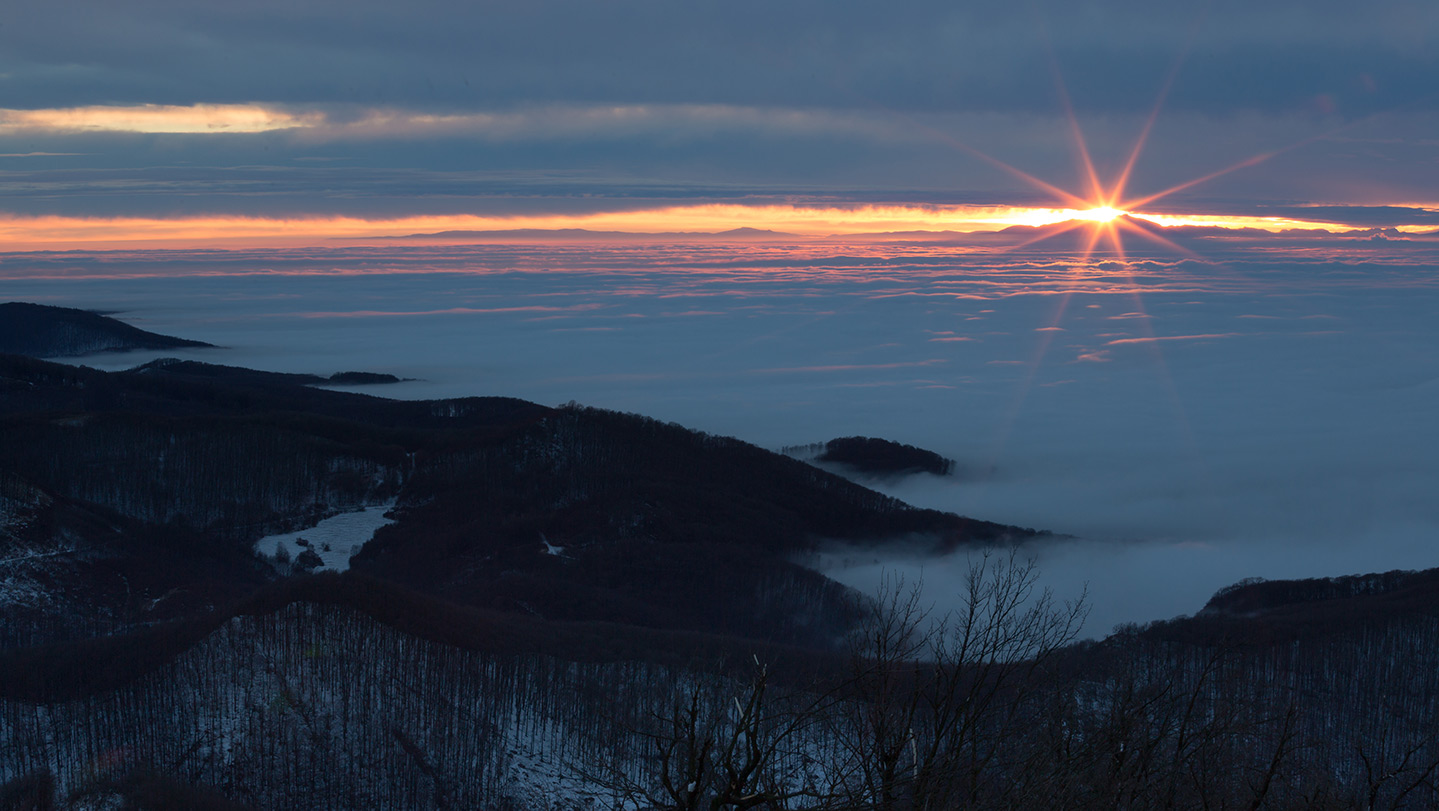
[(1191, 423), (333, 540)]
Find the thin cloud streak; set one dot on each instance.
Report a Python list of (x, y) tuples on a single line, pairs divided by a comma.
[(60, 233), (197, 119), (328, 123), (1155, 338), (851, 367), (446, 311)]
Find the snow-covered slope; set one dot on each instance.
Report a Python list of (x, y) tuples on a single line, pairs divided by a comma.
[(333, 540)]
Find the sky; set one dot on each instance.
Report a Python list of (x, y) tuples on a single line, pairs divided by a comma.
[(362, 119), (1158, 276)]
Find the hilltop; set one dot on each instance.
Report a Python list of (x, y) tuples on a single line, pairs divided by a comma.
[(43, 331)]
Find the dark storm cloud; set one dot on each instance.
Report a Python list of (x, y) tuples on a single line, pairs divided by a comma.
[(918, 56)]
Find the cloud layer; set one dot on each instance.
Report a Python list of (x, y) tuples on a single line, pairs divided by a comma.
[(463, 107), (930, 55)]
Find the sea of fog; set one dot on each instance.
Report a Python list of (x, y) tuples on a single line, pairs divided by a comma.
[(1189, 424)]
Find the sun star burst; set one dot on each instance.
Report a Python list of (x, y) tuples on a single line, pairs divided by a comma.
[(1103, 213)]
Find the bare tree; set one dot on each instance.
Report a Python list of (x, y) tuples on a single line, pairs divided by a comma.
[(722, 744), (933, 708)]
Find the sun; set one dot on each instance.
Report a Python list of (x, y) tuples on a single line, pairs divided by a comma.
[(1101, 214)]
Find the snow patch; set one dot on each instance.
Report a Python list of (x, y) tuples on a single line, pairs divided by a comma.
[(551, 549), (334, 539)]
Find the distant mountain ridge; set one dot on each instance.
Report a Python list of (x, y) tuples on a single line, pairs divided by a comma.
[(585, 234), (43, 331)]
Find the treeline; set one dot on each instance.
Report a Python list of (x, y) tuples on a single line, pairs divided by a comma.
[(71, 670), (319, 705), (1383, 590), (873, 455), (238, 479)]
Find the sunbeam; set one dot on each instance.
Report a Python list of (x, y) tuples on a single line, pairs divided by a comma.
[(1091, 176), (1106, 218)]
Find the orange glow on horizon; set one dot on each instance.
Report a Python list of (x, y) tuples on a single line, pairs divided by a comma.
[(59, 233), (20, 233)]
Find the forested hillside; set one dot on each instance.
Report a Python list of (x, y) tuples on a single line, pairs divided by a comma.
[(329, 696), (561, 513)]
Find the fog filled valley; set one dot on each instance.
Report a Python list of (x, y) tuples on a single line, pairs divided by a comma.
[(1190, 424), (1161, 539)]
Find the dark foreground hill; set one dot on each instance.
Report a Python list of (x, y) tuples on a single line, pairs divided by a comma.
[(583, 609), (177, 468), (42, 331), (344, 692), (577, 608)]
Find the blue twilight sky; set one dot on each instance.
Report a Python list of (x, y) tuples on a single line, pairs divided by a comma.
[(303, 108)]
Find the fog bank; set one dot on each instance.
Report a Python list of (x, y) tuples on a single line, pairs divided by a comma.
[(1192, 424)]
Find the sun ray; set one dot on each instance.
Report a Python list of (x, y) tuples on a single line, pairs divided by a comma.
[(1096, 189), (1105, 217), (1159, 239), (945, 137), (1114, 239), (1088, 252), (1031, 373), (1068, 198), (1109, 216), (1247, 162), (1061, 229), (1264, 156), (1122, 182)]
